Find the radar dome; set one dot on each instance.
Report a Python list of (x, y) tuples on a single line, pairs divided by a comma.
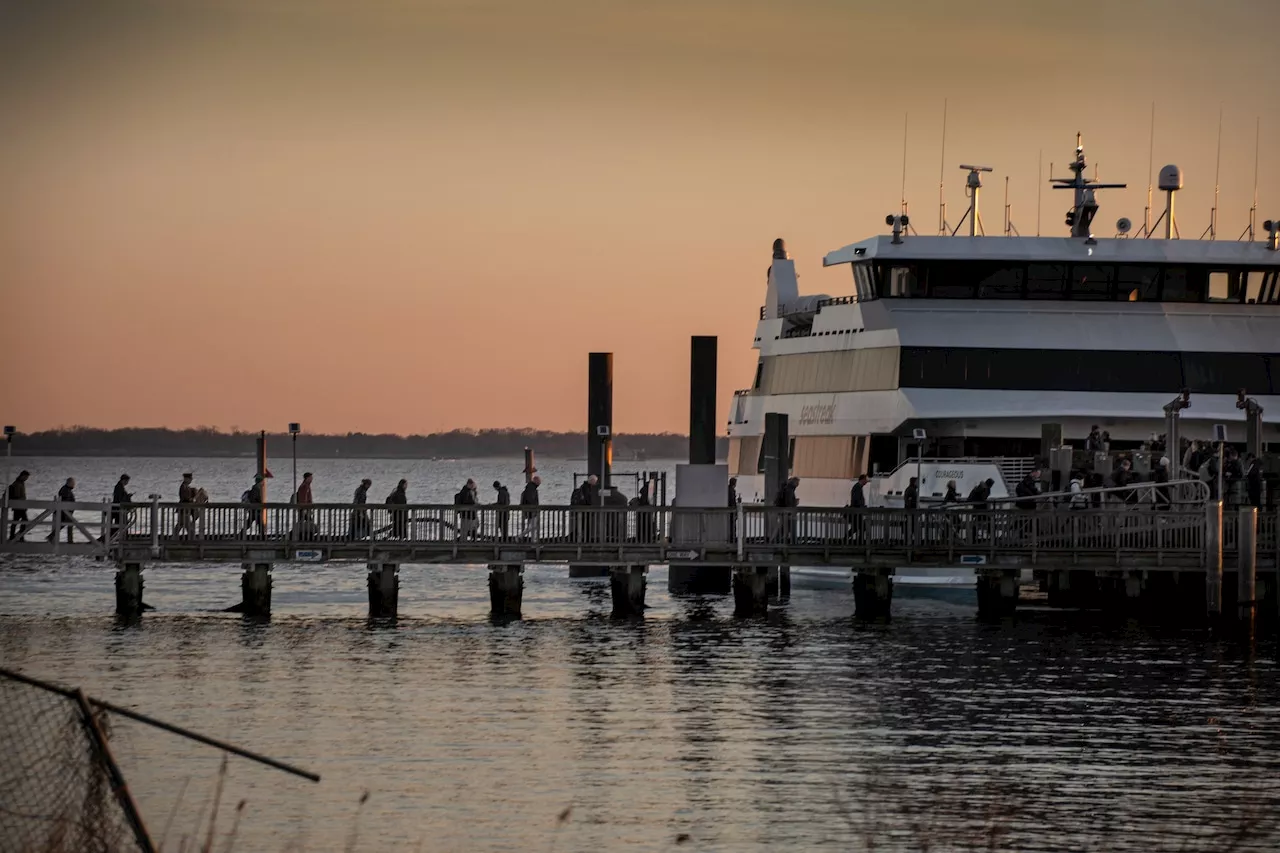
[(1170, 178)]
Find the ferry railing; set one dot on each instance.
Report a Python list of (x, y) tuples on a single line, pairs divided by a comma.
[(1183, 493), (74, 526), (931, 534)]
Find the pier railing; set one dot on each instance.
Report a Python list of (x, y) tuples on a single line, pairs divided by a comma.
[(1117, 535)]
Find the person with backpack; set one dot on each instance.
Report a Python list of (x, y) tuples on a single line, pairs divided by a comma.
[(1077, 499), (399, 517), (360, 515), (252, 497), (466, 496), (529, 498), (502, 499)]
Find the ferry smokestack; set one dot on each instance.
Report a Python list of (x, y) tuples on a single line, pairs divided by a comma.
[(600, 416), (702, 398)]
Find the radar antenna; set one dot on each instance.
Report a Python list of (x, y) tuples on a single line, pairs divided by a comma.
[(973, 184), (1085, 206), (1253, 211)]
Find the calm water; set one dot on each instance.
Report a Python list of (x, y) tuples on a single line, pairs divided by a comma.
[(803, 730)]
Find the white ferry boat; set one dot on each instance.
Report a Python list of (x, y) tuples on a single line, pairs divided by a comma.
[(979, 341)]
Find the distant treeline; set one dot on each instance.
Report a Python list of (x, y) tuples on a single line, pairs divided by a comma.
[(456, 444)]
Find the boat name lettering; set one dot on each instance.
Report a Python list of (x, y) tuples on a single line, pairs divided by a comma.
[(952, 474), (818, 414)]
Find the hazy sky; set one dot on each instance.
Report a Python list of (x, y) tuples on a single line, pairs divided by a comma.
[(414, 216)]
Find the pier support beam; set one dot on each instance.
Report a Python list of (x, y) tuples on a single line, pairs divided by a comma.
[(255, 590), (506, 589), (129, 589), (997, 593), (686, 579), (872, 593), (384, 590), (780, 582), (750, 590), (588, 570), (1213, 552), (1247, 571), (628, 583)]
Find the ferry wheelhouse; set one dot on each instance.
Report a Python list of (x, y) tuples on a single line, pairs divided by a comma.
[(951, 354)]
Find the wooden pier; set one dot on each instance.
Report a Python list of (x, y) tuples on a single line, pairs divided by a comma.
[(1184, 559)]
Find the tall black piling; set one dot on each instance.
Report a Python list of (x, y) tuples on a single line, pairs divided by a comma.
[(599, 451), (702, 400)]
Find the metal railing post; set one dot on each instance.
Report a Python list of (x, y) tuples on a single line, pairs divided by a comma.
[(56, 521), (155, 525), (1213, 557), (742, 533)]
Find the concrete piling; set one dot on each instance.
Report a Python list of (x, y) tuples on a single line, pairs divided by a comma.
[(1247, 565), (255, 590), (129, 589), (628, 583), (779, 581), (506, 589), (1213, 558), (750, 590), (872, 593), (384, 590), (997, 593)]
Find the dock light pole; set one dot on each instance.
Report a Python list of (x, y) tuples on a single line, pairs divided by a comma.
[(9, 432), (294, 429), (919, 436)]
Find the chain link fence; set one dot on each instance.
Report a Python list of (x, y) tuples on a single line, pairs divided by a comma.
[(58, 791)]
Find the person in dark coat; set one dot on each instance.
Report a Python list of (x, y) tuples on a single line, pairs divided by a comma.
[(980, 494), (1253, 482), (1027, 489), (502, 498), (857, 495), (911, 495), (18, 492), (732, 503), (733, 492), (399, 517), (66, 494), (119, 495), (952, 496), (1159, 476), (645, 526), (466, 518), (253, 514), (360, 515), (186, 495), (529, 498)]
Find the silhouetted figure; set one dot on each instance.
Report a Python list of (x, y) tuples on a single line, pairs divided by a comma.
[(399, 517), (952, 496), (360, 515), (306, 528), (1027, 490), (18, 492), (66, 494), (466, 496), (186, 495), (1253, 482), (529, 498), (120, 495), (502, 498), (911, 495), (857, 495), (980, 494), (253, 514)]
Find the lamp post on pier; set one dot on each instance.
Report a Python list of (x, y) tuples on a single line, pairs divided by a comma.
[(294, 429), (9, 432)]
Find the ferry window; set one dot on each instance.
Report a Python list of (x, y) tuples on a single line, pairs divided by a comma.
[(951, 281), (864, 282), (1269, 292), (1223, 372), (1184, 284), (1253, 285), (759, 375), (1046, 281), (1137, 284), (1226, 286), (903, 281), (1091, 281), (1001, 282)]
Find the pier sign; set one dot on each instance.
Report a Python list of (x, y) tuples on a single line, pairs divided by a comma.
[(973, 560), (311, 556)]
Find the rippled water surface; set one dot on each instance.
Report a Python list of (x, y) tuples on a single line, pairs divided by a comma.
[(685, 729)]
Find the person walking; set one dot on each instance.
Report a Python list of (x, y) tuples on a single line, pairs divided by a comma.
[(732, 504), (501, 499), (1161, 477), (17, 491), (399, 517), (980, 494), (360, 515), (1078, 500), (466, 496), (952, 496), (186, 496), (120, 496), (911, 495), (857, 501), (1253, 482), (1027, 490), (306, 528), (67, 495), (252, 497), (529, 498)]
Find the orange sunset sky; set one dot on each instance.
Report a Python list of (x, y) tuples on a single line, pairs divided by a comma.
[(414, 216)]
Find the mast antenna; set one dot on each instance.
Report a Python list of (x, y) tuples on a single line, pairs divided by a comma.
[(1039, 187), (1009, 229), (942, 168), (1212, 230), (1253, 211), (903, 211), (1151, 166), (1085, 203), (973, 184)]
